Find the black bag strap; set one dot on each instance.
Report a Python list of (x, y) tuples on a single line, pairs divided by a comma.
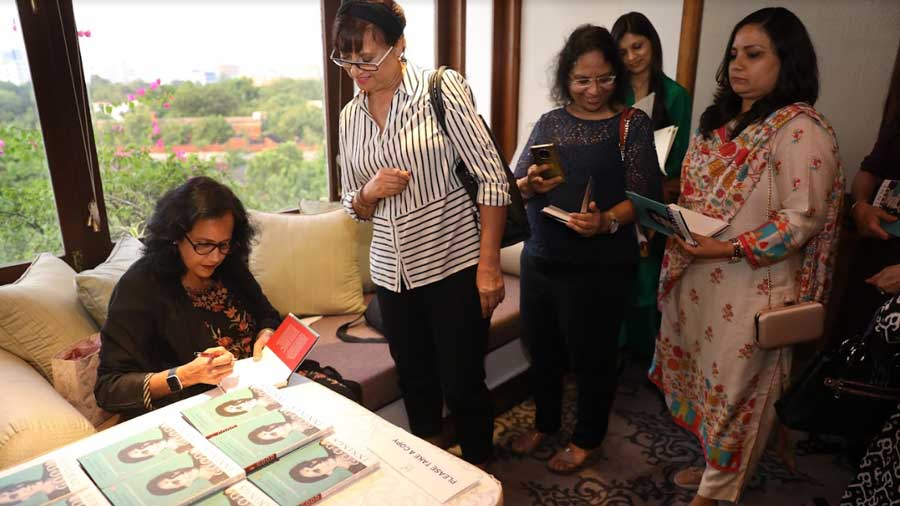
[(345, 336)]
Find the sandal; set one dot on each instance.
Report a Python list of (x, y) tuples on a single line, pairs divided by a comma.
[(688, 478), (570, 459), (526, 443)]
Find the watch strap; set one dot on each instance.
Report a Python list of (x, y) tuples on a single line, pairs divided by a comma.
[(173, 380)]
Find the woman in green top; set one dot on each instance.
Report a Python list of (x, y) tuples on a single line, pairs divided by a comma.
[(642, 54)]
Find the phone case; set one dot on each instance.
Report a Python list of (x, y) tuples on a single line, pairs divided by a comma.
[(546, 154), (792, 324)]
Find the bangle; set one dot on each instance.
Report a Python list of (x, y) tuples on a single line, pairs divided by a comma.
[(737, 251), (361, 200), (854, 206)]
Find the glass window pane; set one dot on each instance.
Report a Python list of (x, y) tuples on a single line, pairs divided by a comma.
[(479, 50), (29, 223), (232, 90), (419, 32)]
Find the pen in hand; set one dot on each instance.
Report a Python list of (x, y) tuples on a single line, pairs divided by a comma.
[(204, 354)]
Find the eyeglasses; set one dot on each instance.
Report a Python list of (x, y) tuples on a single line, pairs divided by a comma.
[(365, 66), (205, 248), (585, 82)]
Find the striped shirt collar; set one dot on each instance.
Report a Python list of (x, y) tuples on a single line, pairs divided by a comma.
[(412, 76)]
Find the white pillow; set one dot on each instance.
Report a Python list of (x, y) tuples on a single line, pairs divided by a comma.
[(509, 258), (95, 286), (40, 313), (308, 264)]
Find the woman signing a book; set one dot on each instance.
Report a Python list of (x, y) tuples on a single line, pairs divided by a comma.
[(574, 274), (184, 311), (435, 255), (766, 162)]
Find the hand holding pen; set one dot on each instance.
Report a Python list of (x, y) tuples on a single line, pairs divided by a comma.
[(209, 366)]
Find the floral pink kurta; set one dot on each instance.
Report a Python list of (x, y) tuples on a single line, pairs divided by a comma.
[(717, 383)]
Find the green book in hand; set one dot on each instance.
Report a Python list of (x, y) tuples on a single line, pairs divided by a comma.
[(270, 436), (888, 198), (674, 219), (311, 473), (227, 411)]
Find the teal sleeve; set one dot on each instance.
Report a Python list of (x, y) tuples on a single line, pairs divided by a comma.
[(680, 113)]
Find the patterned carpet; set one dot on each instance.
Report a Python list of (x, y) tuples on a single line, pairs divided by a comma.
[(641, 453)]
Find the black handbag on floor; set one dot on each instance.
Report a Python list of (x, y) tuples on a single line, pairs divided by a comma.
[(517, 228), (851, 388), (372, 316)]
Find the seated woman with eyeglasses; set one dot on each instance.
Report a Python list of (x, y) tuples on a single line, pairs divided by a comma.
[(190, 292), (575, 277)]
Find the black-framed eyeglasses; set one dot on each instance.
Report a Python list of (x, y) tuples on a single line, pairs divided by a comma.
[(205, 248), (365, 66)]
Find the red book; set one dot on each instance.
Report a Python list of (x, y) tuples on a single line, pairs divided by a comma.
[(282, 355)]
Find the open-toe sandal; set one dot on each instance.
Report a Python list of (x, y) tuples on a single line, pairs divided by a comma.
[(688, 478), (526, 443), (570, 459)]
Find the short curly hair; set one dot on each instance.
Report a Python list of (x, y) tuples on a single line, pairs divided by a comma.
[(176, 213), (583, 40)]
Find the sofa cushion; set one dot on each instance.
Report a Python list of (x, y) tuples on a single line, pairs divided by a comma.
[(307, 265), (41, 421), (364, 228), (40, 313), (371, 365), (509, 259), (95, 286)]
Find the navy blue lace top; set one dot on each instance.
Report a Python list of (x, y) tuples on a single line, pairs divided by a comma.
[(590, 149)]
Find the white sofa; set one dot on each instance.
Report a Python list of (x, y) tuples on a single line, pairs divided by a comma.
[(306, 264)]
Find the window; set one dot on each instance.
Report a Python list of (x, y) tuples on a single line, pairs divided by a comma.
[(28, 217), (229, 90)]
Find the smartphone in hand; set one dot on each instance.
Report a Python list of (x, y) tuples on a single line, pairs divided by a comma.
[(545, 154)]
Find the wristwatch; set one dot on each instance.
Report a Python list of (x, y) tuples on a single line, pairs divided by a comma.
[(737, 251), (613, 223), (173, 381)]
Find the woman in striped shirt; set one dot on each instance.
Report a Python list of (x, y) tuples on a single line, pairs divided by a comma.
[(435, 255)]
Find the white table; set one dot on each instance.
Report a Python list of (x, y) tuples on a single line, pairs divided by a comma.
[(351, 421)]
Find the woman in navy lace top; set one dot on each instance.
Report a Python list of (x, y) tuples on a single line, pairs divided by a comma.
[(575, 275)]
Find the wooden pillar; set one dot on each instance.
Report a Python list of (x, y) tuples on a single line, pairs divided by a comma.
[(338, 91), (507, 49), (689, 46), (450, 29)]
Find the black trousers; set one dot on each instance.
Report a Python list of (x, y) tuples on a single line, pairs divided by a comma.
[(438, 339), (571, 316)]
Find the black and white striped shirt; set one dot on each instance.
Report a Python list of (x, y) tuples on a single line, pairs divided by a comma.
[(430, 230)]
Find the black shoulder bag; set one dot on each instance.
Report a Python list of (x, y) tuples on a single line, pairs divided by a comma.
[(517, 229)]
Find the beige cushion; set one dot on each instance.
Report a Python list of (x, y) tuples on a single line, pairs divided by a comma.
[(308, 264), (95, 285), (40, 313), (509, 258), (364, 229), (35, 418)]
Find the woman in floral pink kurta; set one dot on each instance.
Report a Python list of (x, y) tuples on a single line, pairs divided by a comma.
[(779, 185)]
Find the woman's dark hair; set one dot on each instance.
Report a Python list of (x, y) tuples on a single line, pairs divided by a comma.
[(254, 434), (153, 485), (220, 409), (798, 78), (583, 40), (348, 31), (636, 23), (125, 456), (176, 213), (295, 471)]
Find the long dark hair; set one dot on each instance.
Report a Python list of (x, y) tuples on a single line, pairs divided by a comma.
[(175, 215), (636, 23), (798, 78), (584, 39)]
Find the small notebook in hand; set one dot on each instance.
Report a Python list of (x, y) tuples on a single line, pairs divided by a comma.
[(282, 355), (561, 215), (663, 139), (674, 219), (888, 198)]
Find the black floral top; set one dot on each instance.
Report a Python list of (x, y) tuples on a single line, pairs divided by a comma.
[(224, 319)]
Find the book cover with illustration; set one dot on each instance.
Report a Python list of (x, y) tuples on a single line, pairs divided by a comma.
[(227, 411), (268, 437), (182, 479), (311, 473), (138, 452), (282, 355), (674, 219), (86, 497), (51, 480), (888, 198), (242, 493)]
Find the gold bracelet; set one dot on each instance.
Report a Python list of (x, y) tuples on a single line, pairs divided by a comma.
[(361, 200)]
